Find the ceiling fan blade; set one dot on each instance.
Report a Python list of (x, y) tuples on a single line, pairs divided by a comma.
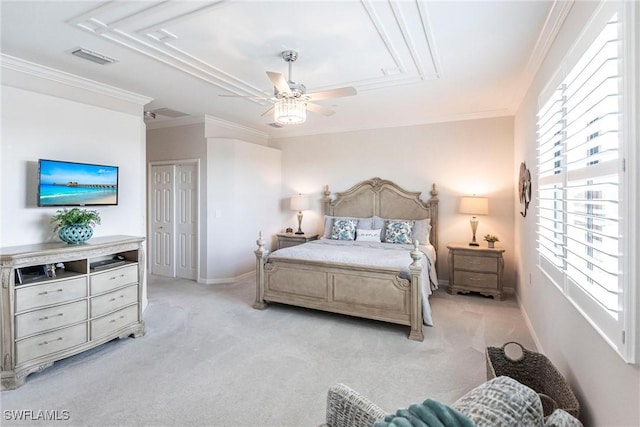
[(333, 93), (319, 109), (270, 110), (279, 82)]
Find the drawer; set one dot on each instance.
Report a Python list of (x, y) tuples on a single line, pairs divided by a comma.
[(113, 300), (112, 279), (476, 280), (106, 325), (51, 342), (50, 293), (474, 263), (288, 243), (50, 318)]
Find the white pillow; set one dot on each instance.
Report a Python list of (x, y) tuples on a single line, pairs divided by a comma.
[(363, 235)]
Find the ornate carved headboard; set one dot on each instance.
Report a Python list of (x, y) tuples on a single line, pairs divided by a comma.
[(385, 199)]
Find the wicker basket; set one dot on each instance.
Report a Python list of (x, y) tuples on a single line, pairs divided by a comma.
[(535, 371)]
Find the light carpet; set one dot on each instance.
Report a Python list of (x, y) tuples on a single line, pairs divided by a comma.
[(208, 358)]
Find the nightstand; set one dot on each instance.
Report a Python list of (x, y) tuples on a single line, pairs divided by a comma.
[(286, 240), (475, 269)]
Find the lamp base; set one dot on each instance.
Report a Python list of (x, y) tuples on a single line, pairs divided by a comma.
[(299, 223), (474, 244)]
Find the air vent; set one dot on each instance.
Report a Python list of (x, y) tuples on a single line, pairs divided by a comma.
[(276, 125), (89, 55)]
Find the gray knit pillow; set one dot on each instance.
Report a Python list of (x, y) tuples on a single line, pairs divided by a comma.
[(502, 402)]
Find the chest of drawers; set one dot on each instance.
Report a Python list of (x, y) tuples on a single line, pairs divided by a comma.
[(475, 269), (50, 317)]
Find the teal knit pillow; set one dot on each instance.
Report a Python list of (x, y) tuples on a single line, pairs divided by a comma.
[(429, 413)]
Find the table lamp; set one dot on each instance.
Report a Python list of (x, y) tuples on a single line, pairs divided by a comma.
[(299, 203), (475, 206)]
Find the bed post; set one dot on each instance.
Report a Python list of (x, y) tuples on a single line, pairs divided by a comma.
[(326, 201), (433, 206), (261, 255), (416, 294)]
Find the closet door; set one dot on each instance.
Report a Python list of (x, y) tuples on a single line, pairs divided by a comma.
[(162, 220), (186, 221)]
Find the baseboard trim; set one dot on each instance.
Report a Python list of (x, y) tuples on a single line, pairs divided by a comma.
[(225, 280), (527, 321)]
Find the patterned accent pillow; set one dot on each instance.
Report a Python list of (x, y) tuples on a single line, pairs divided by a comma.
[(344, 229), (399, 232), (329, 220)]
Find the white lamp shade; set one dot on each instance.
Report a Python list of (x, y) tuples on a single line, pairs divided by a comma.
[(300, 203), (474, 205)]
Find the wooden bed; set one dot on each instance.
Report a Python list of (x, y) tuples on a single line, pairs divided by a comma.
[(370, 292)]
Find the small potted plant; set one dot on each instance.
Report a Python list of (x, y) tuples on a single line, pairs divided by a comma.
[(75, 225), (491, 240)]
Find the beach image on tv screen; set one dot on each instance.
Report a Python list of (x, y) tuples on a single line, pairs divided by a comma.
[(63, 183)]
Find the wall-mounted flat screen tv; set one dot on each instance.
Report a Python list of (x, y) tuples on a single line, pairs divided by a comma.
[(76, 184)]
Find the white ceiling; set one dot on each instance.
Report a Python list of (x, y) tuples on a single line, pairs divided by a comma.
[(411, 61)]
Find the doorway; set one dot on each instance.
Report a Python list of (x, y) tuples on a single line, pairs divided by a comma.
[(173, 218)]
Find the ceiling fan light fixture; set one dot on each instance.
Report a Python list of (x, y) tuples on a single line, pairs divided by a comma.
[(288, 111)]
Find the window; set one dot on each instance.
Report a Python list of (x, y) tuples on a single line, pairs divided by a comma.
[(584, 132)]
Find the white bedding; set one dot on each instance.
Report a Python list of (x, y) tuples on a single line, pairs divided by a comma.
[(376, 254)]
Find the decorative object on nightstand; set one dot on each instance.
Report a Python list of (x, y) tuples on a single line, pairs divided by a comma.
[(491, 240), (299, 203), (475, 206), (475, 269), (286, 240)]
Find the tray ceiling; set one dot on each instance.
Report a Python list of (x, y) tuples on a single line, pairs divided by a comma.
[(411, 61)]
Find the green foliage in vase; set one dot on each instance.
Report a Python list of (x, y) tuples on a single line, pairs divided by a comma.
[(75, 216), (491, 238)]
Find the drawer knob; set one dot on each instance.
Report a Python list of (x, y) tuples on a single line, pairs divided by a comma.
[(115, 320), (49, 342), (47, 292), (48, 317)]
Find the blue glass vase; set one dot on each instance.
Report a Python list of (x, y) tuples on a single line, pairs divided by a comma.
[(75, 234)]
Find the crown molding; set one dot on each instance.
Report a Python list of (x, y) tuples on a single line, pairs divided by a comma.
[(207, 120), (552, 26), (36, 70), (225, 124), (171, 123), (489, 114)]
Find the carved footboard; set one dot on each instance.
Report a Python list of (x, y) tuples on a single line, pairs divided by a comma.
[(369, 292)]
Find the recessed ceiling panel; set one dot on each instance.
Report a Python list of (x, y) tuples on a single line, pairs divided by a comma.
[(367, 45)]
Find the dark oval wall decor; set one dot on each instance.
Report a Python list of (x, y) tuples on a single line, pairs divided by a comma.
[(524, 187)]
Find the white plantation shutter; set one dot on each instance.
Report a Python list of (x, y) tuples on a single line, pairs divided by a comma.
[(580, 175)]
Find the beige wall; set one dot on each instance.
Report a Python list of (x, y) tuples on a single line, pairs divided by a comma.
[(40, 126), (607, 388), (461, 158), (239, 194)]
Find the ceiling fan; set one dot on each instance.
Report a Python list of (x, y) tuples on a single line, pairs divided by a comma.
[(291, 100)]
